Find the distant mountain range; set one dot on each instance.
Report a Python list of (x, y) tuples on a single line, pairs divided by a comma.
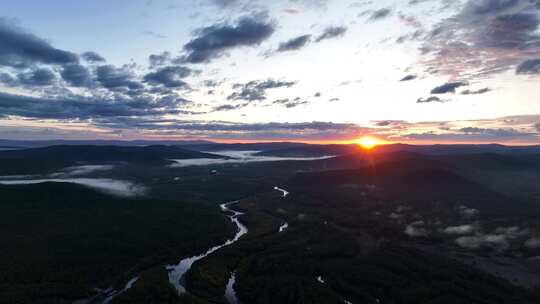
[(311, 150), (284, 149)]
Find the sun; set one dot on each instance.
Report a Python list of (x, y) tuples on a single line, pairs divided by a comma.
[(368, 142)]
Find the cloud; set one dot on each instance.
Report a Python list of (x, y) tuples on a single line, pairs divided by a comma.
[(292, 11), (477, 241), (8, 80), (111, 77), (76, 75), (484, 7), (459, 230), (157, 60), (467, 212), (392, 123), (380, 14), (332, 32), (34, 78), (92, 57), (235, 130), (409, 78), (506, 132), (20, 49), (169, 77), (83, 108), (484, 37), (228, 107), (224, 3), (532, 243), (449, 87), (212, 42), (294, 43), (37, 77), (81, 170), (429, 99), (529, 67), (416, 229), (498, 239), (288, 103), (477, 92), (256, 90), (111, 186), (512, 232), (511, 130)]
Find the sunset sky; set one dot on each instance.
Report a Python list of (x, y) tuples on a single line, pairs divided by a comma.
[(415, 71)]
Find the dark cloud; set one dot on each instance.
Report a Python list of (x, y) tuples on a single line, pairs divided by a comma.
[(256, 90), (224, 3), (157, 60), (76, 75), (537, 127), (501, 132), (292, 11), (449, 87), (415, 2), (290, 103), (213, 41), (380, 14), (216, 129), (482, 7), (229, 107), (429, 99), (476, 92), (411, 21), (212, 83), (409, 77), (8, 80), (20, 49), (487, 136), (529, 67), (83, 108), (318, 94), (512, 31), (396, 124), (111, 77), (169, 76), (332, 32), (294, 43), (383, 123), (37, 77), (92, 57), (484, 37)]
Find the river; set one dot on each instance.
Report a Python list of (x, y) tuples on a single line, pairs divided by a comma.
[(177, 272)]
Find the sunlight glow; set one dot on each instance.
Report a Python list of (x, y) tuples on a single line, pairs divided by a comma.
[(368, 142)]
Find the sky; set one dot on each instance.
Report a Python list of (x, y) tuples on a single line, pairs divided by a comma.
[(413, 71)]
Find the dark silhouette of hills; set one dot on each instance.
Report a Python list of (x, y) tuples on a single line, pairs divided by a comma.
[(336, 149), (47, 158)]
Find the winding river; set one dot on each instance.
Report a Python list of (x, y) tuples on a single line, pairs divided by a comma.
[(177, 272), (230, 293), (283, 191)]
